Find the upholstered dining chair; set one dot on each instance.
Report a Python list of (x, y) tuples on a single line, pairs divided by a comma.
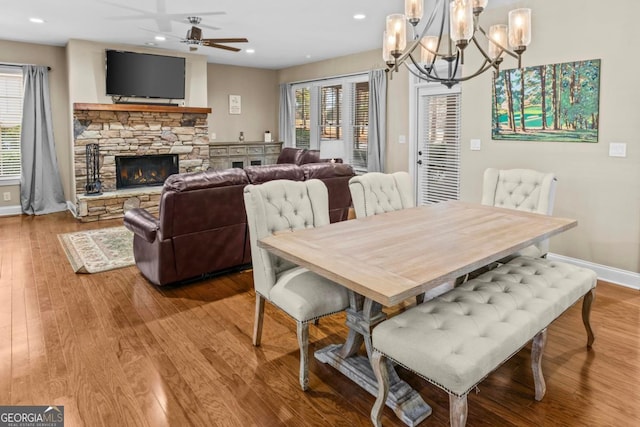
[(374, 193), (283, 205), (521, 189)]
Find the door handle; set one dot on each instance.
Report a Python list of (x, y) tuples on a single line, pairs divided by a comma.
[(419, 162), (419, 153)]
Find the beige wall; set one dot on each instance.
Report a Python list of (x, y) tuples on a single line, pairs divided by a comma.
[(54, 57), (259, 93), (603, 193)]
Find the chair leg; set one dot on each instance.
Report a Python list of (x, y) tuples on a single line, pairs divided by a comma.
[(419, 299), (259, 317), (537, 349), (586, 315), (379, 366), (303, 342), (457, 410)]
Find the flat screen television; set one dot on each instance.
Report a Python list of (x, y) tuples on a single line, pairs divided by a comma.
[(141, 75)]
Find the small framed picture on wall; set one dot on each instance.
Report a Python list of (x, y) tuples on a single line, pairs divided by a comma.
[(235, 104)]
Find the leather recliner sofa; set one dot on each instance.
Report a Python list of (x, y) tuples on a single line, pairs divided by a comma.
[(202, 224)]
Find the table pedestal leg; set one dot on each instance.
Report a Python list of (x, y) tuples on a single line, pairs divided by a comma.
[(362, 316)]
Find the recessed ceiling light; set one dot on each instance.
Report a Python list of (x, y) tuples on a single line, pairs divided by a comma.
[(150, 43), (36, 20), (308, 56), (160, 38), (359, 16), (250, 50)]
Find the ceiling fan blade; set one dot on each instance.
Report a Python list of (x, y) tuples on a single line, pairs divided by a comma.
[(231, 40), (181, 16), (221, 46), (210, 27)]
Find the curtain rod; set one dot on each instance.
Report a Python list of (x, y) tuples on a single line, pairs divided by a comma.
[(340, 76), (9, 64)]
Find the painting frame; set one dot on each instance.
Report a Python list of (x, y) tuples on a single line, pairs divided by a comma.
[(561, 103)]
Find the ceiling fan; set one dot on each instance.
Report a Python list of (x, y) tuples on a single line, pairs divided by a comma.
[(194, 38)]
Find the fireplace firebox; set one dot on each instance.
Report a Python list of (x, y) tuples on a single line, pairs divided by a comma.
[(143, 171)]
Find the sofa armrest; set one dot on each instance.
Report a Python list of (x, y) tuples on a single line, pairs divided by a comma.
[(142, 223)]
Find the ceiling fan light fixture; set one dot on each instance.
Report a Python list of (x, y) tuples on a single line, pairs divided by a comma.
[(250, 51)]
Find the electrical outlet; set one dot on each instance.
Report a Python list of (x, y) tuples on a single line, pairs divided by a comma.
[(474, 145), (402, 139), (213, 136), (6, 196)]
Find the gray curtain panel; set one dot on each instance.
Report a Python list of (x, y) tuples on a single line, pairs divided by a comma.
[(286, 116), (40, 186), (377, 121)]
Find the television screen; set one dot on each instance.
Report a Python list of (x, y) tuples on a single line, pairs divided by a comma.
[(144, 76)]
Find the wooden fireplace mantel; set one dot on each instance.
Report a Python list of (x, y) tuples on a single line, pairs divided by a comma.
[(140, 107)]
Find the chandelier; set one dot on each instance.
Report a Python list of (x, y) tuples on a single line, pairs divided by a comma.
[(458, 27)]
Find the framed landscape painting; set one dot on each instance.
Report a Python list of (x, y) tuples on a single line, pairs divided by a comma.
[(557, 102)]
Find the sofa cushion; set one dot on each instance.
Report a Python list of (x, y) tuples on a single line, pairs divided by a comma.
[(326, 170), (264, 173), (209, 179), (289, 155)]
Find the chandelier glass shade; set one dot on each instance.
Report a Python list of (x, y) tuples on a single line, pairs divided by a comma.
[(450, 27)]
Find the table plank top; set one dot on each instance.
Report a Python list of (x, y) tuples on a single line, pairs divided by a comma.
[(397, 255)]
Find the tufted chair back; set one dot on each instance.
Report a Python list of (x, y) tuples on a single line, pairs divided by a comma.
[(281, 205), (374, 193), (521, 189)]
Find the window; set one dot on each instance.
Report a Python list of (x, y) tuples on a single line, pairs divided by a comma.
[(334, 109), (10, 121), (360, 125), (303, 117)]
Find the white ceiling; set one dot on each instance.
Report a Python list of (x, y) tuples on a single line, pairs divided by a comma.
[(282, 32)]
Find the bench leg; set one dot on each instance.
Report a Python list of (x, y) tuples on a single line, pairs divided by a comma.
[(379, 366), (457, 410), (537, 350), (303, 342), (586, 315)]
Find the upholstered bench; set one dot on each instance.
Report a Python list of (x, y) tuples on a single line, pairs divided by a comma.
[(457, 339)]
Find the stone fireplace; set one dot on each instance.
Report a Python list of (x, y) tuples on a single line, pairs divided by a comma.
[(127, 131), (143, 171)]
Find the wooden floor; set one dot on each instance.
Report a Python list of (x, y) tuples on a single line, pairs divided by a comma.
[(116, 351)]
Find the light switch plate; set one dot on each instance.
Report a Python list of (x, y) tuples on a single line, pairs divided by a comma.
[(213, 136), (402, 139), (617, 149), (475, 145)]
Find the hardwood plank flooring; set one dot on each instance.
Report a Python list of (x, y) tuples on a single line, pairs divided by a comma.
[(115, 350)]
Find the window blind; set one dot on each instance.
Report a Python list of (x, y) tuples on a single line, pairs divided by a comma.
[(440, 149), (10, 122), (303, 118), (360, 125), (331, 112)]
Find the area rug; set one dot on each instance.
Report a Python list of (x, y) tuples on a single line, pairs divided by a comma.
[(98, 250)]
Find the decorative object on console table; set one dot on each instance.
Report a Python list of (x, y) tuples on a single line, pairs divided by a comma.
[(333, 150), (241, 138), (94, 185), (267, 136)]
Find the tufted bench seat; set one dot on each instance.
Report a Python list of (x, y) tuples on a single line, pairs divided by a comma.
[(457, 339)]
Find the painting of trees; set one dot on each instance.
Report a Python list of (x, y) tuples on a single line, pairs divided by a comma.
[(557, 102)]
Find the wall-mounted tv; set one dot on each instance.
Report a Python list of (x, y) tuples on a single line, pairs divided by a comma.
[(141, 75)]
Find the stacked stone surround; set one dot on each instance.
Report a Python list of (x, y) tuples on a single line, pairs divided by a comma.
[(129, 132)]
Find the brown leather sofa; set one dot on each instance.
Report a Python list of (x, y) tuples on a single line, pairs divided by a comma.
[(202, 224)]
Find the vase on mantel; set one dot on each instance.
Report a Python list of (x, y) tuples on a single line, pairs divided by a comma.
[(241, 137)]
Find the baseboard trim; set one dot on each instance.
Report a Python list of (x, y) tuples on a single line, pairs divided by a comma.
[(72, 208), (10, 210), (614, 275)]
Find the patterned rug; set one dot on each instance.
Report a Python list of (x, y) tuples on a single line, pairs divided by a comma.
[(98, 250)]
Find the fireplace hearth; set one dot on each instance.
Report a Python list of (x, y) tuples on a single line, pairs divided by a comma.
[(143, 171)]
